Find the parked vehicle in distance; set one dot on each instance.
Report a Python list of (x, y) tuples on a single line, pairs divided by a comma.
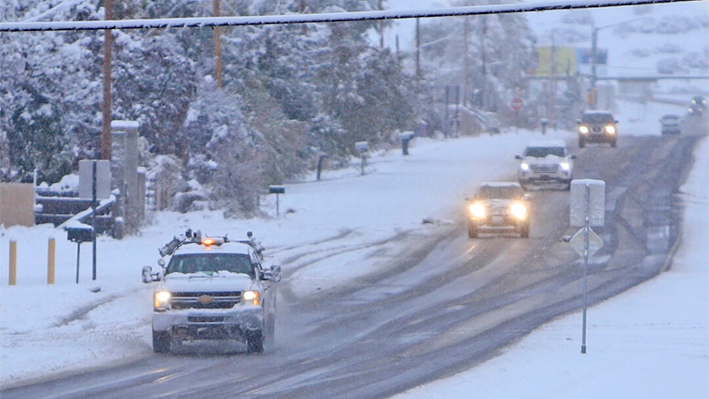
[(671, 124), (697, 106), (597, 127), (498, 207), (213, 288), (545, 162)]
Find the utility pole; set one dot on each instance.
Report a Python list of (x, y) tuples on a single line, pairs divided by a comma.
[(418, 48), (466, 32), (217, 49), (106, 119), (381, 27), (484, 104), (552, 80)]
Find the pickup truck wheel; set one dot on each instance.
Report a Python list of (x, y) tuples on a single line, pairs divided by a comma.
[(472, 232), (582, 143), (271, 330), (524, 231), (161, 342), (614, 144), (254, 342)]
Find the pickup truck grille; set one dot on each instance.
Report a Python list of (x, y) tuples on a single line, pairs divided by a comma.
[(544, 168), (205, 300)]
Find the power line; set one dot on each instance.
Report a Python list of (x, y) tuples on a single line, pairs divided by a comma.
[(318, 18)]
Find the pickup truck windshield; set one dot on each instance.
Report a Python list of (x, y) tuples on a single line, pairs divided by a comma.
[(501, 192), (211, 263)]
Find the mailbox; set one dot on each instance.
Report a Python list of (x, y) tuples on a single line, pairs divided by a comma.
[(276, 190), (406, 136), (80, 234), (362, 146)]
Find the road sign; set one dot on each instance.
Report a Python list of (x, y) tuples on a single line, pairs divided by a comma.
[(516, 103), (595, 243), (587, 199)]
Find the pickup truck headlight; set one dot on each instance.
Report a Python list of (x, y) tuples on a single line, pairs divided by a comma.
[(518, 210), (583, 129), (251, 297), (565, 166), (162, 299), (610, 129), (477, 210)]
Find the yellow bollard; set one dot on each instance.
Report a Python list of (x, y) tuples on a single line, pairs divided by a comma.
[(51, 250), (13, 263)]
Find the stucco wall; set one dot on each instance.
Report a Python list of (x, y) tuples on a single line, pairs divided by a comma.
[(16, 204)]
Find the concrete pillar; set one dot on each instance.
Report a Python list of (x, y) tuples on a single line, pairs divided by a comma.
[(131, 203)]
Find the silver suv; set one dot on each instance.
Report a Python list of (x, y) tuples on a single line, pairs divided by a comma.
[(498, 207), (213, 288), (544, 163)]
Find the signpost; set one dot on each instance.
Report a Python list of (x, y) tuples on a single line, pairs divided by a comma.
[(516, 105), (277, 190), (588, 201)]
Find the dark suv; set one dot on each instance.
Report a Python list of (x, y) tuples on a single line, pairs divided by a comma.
[(697, 106), (597, 127)]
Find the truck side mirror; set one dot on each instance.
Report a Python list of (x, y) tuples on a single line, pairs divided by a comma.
[(147, 275), (272, 274), (572, 156), (518, 157)]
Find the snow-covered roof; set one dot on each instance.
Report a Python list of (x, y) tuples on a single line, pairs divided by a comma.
[(547, 143), (125, 125), (229, 247), (597, 112), (500, 184)]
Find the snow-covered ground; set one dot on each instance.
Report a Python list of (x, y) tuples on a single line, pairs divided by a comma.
[(657, 329), (651, 341)]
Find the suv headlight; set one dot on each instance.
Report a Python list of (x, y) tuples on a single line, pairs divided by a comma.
[(518, 210), (565, 166), (610, 129), (251, 297), (583, 129), (477, 210), (524, 166), (162, 299)]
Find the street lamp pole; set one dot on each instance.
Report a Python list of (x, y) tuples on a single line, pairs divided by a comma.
[(594, 54), (594, 50)]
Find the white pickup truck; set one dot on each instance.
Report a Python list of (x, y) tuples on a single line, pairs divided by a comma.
[(213, 288)]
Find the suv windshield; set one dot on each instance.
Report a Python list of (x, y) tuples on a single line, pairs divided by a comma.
[(597, 118), (211, 263), (503, 192), (542, 152)]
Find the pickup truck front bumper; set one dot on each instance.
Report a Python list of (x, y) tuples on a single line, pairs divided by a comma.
[(197, 324)]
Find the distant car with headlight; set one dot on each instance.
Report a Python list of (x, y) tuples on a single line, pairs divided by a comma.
[(597, 127), (545, 162), (697, 106), (671, 124), (213, 288), (498, 207)]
